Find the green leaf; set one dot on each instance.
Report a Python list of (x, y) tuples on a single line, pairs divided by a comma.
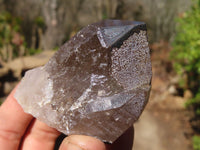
[(196, 142)]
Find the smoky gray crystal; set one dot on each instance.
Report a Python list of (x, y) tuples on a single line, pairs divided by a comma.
[(96, 84)]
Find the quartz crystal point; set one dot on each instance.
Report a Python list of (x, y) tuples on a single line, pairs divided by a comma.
[(97, 84)]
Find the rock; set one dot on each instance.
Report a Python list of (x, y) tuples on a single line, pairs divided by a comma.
[(97, 84), (172, 90), (187, 94), (8, 87), (3, 71), (17, 65), (28, 62), (178, 103)]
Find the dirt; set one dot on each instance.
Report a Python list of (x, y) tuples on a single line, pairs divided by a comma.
[(163, 129), (165, 123)]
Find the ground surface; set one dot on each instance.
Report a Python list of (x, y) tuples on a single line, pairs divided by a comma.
[(163, 129), (164, 124)]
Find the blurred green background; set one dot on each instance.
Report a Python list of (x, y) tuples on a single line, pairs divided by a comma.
[(31, 31)]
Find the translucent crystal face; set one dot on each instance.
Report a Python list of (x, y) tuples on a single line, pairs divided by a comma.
[(97, 84)]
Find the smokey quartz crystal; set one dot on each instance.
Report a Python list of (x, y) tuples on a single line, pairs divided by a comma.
[(96, 84)]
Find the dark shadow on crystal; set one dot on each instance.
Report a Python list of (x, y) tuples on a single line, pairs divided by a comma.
[(136, 29), (59, 141)]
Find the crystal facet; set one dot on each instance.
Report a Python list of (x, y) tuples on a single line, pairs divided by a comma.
[(97, 84)]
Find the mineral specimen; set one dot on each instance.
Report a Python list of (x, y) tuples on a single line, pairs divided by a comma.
[(97, 84)]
